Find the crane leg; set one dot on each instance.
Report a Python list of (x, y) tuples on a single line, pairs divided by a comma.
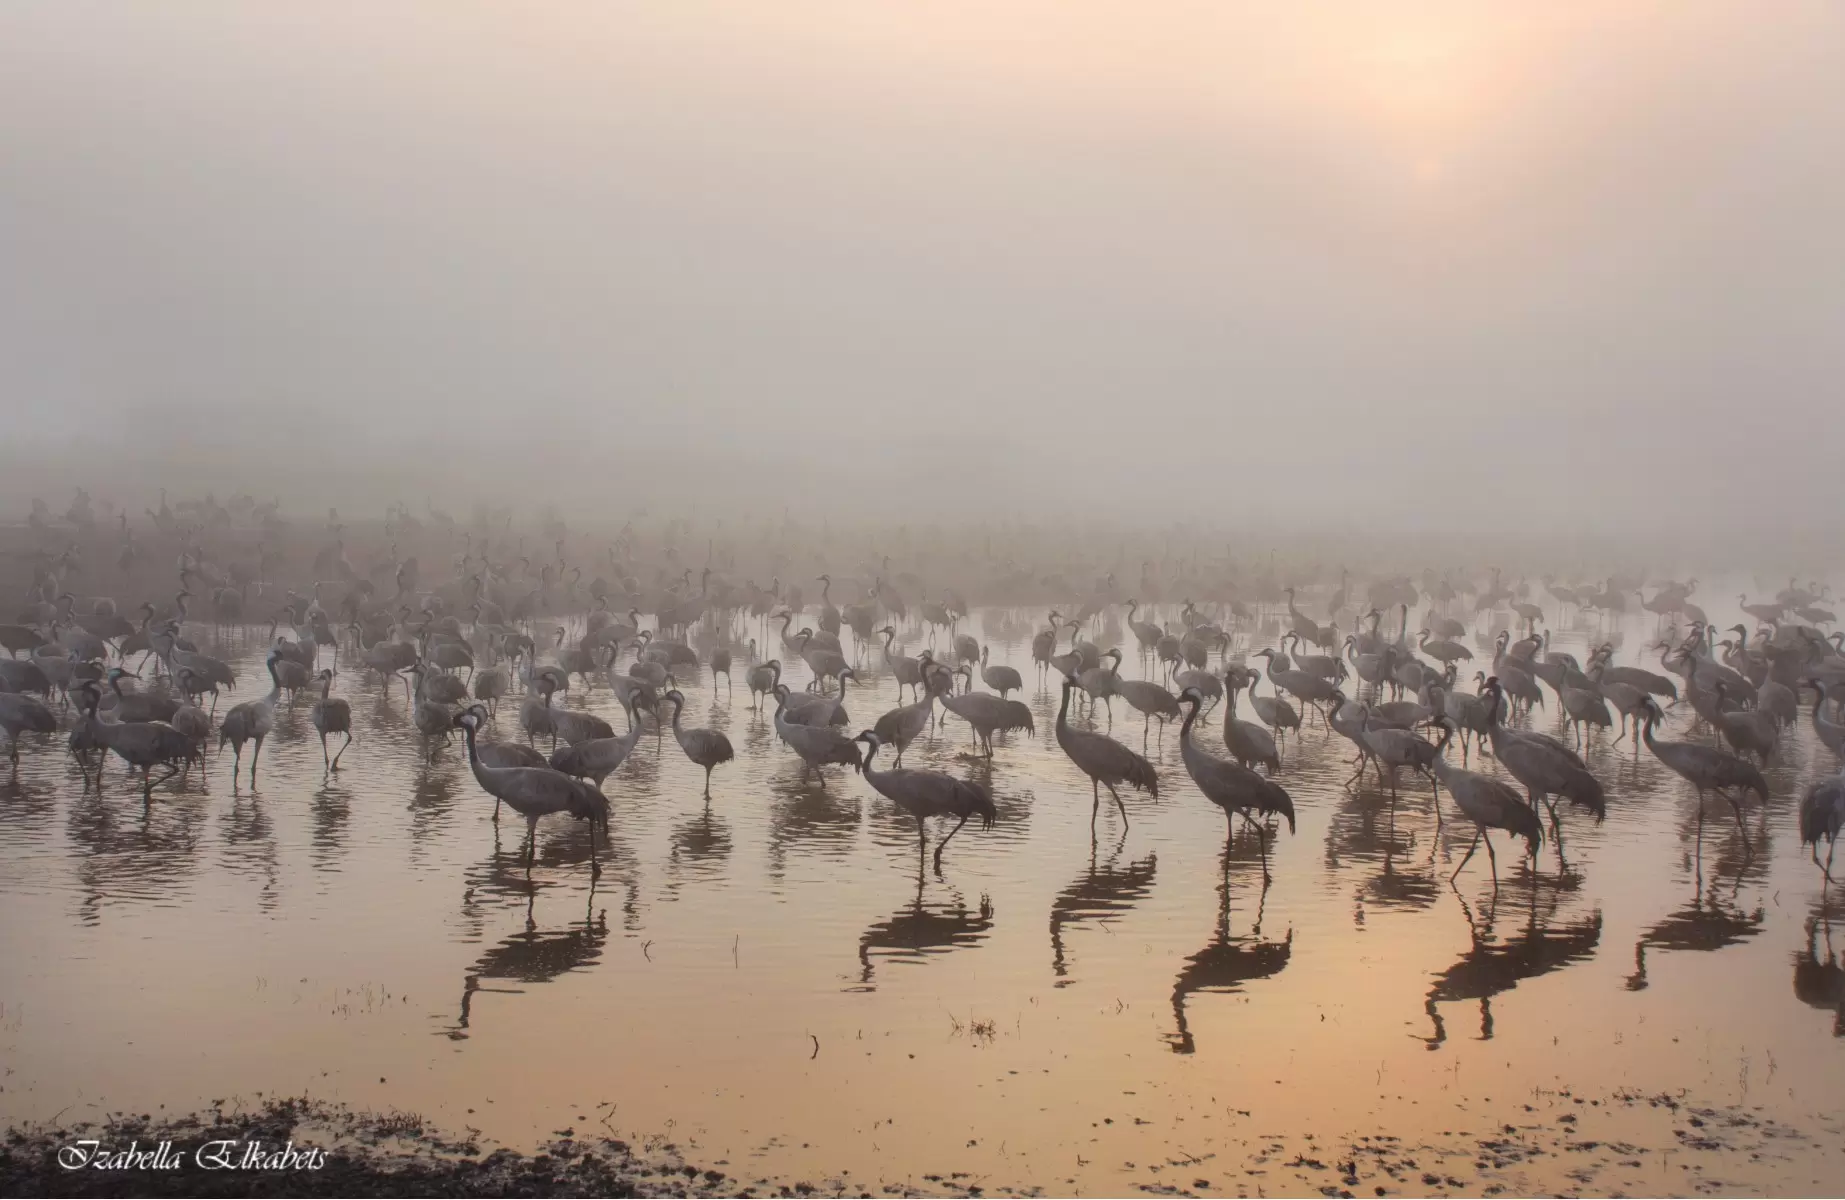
[(1740, 828), (941, 845), (1095, 790), (1478, 833), (342, 750), (323, 751), (1122, 807)]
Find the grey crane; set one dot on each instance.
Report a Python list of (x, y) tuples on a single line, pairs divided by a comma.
[(23, 714), (816, 745), (1307, 628), (1488, 803), (432, 720), (1106, 761), (1767, 614), (251, 721), (1310, 690), (763, 679), (534, 792), (925, 794), (1395, 749), (1233, 787), (1001, 679), (905, 723), (1442, 651), (505, 754), (1830, 732), (490, 684), (1544, 766), (1752, 732), (986, 713), (1650, 682), (907, 670), (1098, 683), (191, 720), (825, 664), (720, 665), (568, 724), (1145, 632), (1584, 706), (1044, 643), (331, 715), (706, 747), (1208, 684), (810, 709), (830, 621), (598, 758), (1149, 699), (137, 706), (1822, 815), (143, 744), (1273, 711), (1326, 666), (1707, 769), (1248, 742)]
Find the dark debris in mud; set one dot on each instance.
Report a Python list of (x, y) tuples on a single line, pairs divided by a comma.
[(1559, 1144), (362, 1154), (1689, 1150)]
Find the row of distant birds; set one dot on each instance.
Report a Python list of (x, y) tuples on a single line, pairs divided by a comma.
[(1746, 690)]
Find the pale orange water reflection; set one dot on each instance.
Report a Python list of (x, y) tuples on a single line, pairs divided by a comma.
[(775, 982)]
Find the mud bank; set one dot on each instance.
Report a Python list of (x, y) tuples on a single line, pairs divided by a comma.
[(1558, 1143)]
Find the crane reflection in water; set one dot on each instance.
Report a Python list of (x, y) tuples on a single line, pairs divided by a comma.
[(532, 956), (1820, 982), (922, 929), (1490, 968), (1227, 963), (1101, 892)]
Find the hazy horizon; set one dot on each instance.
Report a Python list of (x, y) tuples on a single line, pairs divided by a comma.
[(1413, 266)]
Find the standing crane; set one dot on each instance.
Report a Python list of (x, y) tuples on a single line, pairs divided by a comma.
[(1707, 769), (1822, 815), (706, 747), (331, 715), (1233, 787), (924, 794), (534, 792), (1487, 802), (251, 721), (1106, 761)]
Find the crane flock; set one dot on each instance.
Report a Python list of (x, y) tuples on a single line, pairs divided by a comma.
[(512, 621)]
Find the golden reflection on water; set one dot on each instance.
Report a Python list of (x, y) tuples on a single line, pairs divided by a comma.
[(777, 981)]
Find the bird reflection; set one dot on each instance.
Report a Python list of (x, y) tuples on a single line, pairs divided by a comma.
[(701, 846), (533, 956), (250, 846), (805, 815), (1706, 924), (1098, 893), (332, 810), (1227, 963), (1488, 969), (919, 930), (148, 855), (1819, 982), (432, 805)]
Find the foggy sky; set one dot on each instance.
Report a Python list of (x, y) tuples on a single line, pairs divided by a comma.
[(1370, 266)]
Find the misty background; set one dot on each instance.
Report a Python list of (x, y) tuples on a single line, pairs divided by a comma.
[(1413, 266)]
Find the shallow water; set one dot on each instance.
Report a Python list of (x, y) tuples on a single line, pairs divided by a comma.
[(776, 982)]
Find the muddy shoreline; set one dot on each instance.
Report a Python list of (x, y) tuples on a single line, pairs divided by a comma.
[(1559, 1143)]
